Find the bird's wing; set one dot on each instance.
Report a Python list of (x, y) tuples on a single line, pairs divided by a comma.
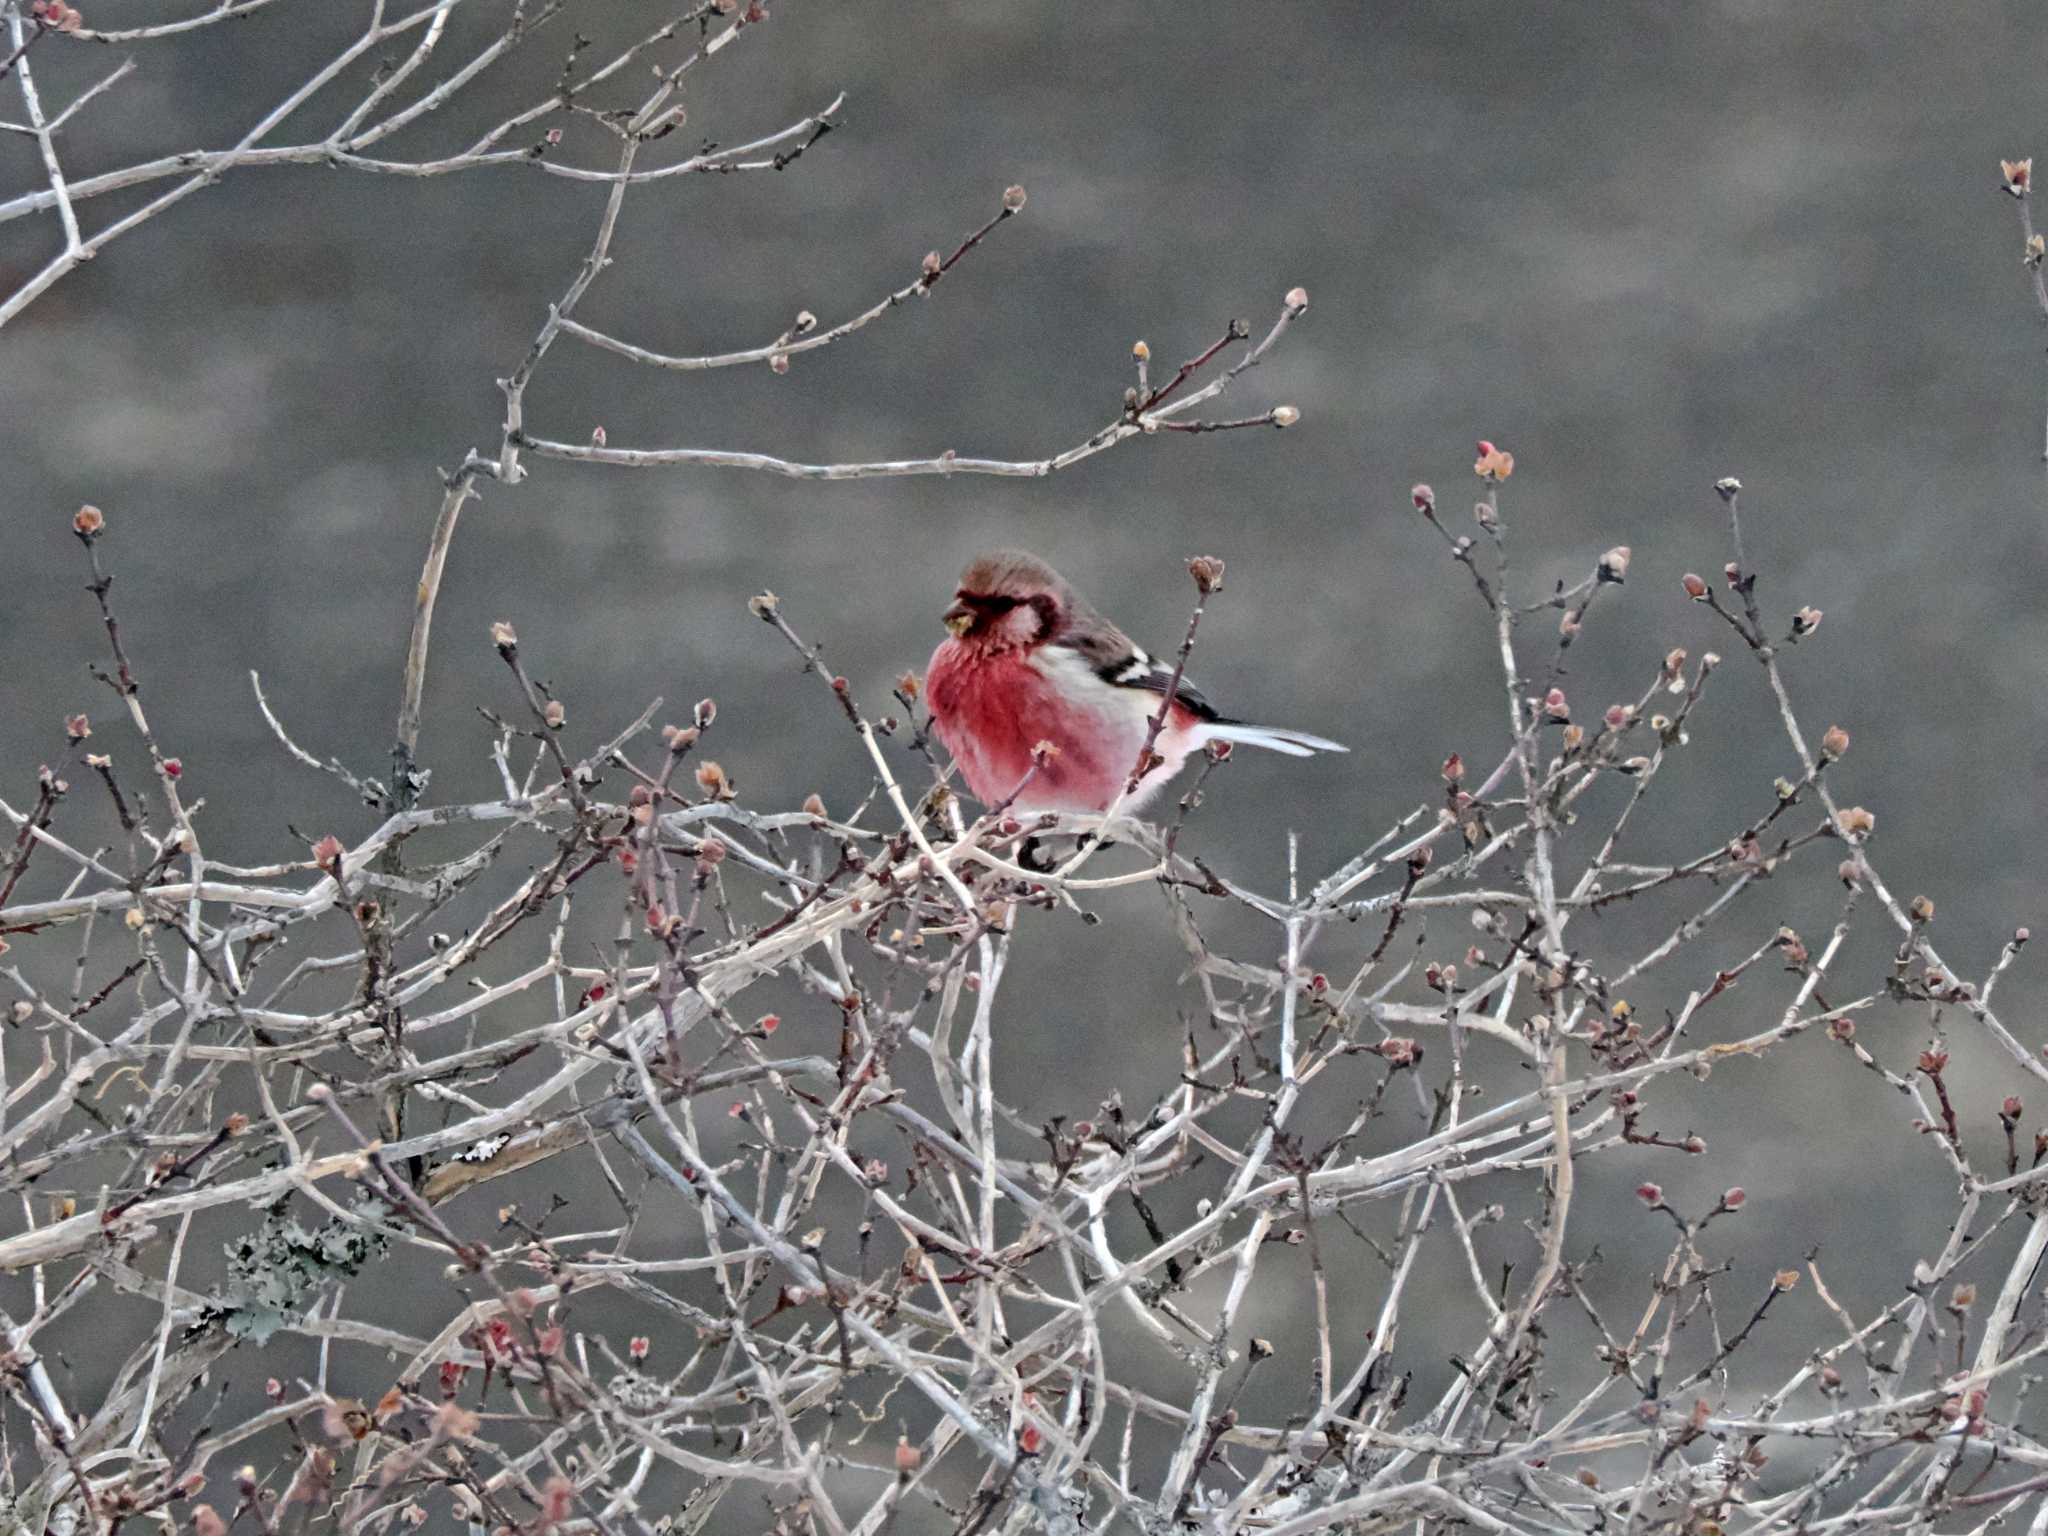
[(1140, 670), (1122, 663)]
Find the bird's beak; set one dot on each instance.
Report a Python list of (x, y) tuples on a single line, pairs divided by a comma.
[(959, 619)]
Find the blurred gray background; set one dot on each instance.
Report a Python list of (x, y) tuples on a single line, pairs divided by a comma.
[(1641, 246)]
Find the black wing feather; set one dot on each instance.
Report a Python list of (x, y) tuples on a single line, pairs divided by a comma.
[(1139, 670)]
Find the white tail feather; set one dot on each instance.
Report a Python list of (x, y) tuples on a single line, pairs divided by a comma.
[(1293, 743)]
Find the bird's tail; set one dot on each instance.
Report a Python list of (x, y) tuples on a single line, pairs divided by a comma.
[(1293, 743)]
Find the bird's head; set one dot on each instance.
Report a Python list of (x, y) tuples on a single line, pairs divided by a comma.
[(1008, 600)]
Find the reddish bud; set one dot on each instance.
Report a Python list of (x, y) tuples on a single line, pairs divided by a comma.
[(1695, 588), (1650, 1194), (88, 522), (1733, 1198), (1493, 463), (1424, 498), (173, 768)]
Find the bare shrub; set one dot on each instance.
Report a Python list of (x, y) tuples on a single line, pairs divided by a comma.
[(415, 1099)]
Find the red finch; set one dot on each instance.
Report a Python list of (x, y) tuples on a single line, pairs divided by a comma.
[(1030, 662)]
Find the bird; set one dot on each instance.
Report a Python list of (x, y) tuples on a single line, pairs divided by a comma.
[(1044, 704)]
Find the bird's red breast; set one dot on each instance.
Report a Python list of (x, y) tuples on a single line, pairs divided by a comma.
[(991, 709)]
